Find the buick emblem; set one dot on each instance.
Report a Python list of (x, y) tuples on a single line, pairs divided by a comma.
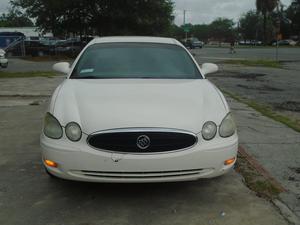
[(143, 142)]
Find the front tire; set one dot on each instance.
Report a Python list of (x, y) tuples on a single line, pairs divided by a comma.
[(5, 65)]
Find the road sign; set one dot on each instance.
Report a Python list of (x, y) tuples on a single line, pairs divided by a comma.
[(186, 28)]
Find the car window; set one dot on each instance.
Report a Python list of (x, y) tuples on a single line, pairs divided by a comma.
[(136, 60)]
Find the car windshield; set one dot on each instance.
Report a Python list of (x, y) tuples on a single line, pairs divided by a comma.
[(135, 60)]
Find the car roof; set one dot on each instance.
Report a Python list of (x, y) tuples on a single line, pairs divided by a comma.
[(135, 39)]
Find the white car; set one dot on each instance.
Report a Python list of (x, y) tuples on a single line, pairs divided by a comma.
[(3, 60), (137, 109)]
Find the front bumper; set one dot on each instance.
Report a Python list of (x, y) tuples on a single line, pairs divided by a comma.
[(78, 161)]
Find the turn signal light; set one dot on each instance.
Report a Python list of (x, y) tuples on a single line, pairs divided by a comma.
[(229, 161), (50, 163)]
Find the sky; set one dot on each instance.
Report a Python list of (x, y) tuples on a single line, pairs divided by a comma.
[(205, 11), (199, 11)]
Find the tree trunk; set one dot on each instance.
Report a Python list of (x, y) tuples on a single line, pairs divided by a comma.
[(265, 29)]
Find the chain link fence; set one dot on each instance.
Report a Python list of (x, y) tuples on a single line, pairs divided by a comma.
[(19, 46)]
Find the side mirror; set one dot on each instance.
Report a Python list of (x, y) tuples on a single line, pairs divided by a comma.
[(62, 67), (208, 68)]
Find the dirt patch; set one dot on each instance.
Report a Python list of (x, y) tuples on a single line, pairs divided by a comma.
[(289, 106), (259, 88)]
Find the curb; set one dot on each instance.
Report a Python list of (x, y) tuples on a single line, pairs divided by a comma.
[(261, 169), (285, 211)]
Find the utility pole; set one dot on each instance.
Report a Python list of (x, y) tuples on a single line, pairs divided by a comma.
[(186, 33), (278, 31)]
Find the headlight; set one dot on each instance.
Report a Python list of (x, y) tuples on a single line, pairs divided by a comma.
[(52, 127), (209, 130), (227, 127), (73, 131)]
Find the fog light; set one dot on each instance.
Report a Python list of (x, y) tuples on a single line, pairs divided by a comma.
[(50, 163), (229, 161)]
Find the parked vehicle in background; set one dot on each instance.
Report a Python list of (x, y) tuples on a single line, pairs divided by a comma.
[(3, 59), (193, 43), (286, 42), (250, 42), (51, 42), (36, 48), (70, 47)]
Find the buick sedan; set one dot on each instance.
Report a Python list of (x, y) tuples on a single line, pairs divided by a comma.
[(137, 109)]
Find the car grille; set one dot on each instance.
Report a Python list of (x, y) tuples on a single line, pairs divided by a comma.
[(140, 175), (142, 141)]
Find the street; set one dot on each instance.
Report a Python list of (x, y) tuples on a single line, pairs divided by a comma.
[(213, 54)]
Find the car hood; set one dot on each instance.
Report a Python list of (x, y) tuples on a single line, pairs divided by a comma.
[(122, 103)]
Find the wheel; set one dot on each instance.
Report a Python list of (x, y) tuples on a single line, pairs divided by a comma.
[(40, 53), (5, 65)]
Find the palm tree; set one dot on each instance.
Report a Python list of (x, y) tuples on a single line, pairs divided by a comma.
[(265, 7)]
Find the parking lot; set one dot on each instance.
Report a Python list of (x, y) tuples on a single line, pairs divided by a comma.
[(29, 196)]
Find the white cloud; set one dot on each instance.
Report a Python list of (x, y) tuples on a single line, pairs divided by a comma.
[(3, 6), (203, 11)]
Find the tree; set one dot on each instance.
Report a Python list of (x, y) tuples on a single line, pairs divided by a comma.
[(15, 18), (293, 13), (222, 29), (265, 7), (176, 32), (201, 31), (250, 26), (103, 17)]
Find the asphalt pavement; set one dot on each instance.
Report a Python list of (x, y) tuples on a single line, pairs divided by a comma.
[(20, 65), (213, 54), (277, 88)]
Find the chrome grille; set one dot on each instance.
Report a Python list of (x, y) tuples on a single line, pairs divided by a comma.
[(142, 140)]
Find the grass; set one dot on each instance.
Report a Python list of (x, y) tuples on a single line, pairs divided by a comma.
[(267, 111), (262, 63), (255, 181), (26, 74)]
